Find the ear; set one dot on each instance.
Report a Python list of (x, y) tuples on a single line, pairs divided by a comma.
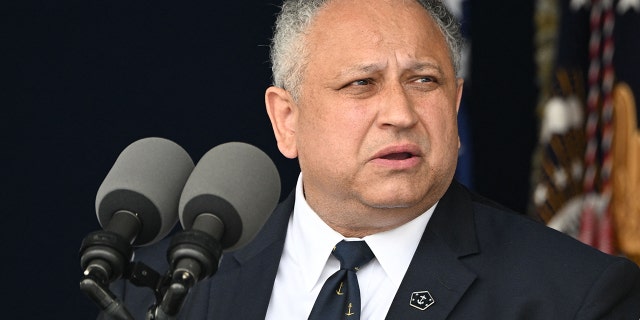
[(283, 113), (460, 84)]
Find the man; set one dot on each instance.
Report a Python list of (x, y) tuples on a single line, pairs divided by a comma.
[(366, 97)]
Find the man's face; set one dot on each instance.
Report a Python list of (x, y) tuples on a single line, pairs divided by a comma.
[(375, 124)]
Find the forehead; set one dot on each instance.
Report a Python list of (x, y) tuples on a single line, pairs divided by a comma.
[(357, 30)]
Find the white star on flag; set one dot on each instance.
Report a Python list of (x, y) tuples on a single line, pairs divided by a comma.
[(624, 5)]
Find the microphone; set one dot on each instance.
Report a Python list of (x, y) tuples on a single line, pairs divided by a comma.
[(226, 200), (136, 204), (236, 182), (145, 183)]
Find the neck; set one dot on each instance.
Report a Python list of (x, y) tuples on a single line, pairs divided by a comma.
[(365, 223)]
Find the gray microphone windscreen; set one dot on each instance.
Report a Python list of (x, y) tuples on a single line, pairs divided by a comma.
[(146, 179), (237, 182)]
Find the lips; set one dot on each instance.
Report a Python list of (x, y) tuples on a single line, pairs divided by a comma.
[(401, 156), (399, 152), (398, 156)]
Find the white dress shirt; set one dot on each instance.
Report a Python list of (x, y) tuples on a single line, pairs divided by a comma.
[(307, 263)]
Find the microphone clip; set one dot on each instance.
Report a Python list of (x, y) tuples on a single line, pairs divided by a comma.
[(103, 257), (193, 256)]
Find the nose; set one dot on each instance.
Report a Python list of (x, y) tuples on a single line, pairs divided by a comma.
[(396, 109)]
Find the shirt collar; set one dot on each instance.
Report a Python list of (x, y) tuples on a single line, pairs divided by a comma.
[(385, 246), (314, 240)]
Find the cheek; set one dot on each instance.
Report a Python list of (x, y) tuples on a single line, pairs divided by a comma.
[(317, 132), (333, 121), (452, 140), (330, 141), (442, 129)]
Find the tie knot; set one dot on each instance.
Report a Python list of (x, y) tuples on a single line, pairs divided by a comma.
[(352, 254)]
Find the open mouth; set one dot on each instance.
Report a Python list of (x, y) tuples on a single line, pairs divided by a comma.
[(397, 156)]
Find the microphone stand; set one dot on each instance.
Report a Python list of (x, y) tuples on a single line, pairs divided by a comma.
[(138, 273), (95, 288), (106, 255), (193, 256), (103, 257)]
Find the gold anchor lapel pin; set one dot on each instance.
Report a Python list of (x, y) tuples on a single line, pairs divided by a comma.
[(421, 300)]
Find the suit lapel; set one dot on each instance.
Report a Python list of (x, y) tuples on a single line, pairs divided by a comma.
[(251, 271), (436, 267)]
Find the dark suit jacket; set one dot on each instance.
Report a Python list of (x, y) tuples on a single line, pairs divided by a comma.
[(476, 259)]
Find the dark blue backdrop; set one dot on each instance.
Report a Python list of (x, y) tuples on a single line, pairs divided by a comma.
[(87, 78)]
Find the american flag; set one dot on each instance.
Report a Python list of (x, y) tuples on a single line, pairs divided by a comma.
[(587, 170)]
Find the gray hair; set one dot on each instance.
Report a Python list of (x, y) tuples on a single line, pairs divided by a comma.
[(289, 50)]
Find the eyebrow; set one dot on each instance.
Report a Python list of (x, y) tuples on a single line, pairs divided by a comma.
[(421, 66), (359, 69), (366, 68)]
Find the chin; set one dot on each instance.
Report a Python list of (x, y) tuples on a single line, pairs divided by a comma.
[(394, 202), (416, 195), (392, 206), (399, 192)]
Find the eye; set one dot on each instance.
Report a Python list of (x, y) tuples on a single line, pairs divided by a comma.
[(426, 80), (361, 82), (360, 88), (424, 83)]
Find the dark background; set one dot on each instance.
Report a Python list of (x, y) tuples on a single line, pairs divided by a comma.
[(87, 78)]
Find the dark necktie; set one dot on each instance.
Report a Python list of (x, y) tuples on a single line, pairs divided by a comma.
[(339, 298)]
